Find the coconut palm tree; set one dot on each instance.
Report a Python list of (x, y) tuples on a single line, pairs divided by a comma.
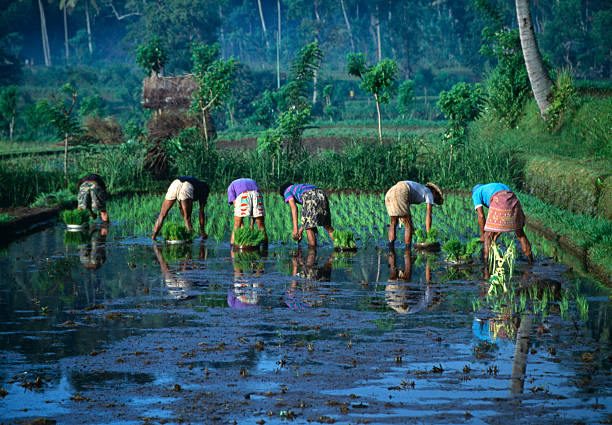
[(538, 77)]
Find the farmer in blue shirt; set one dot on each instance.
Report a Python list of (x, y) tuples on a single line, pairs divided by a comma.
[(185, 190), (505, 215), (315, 210)]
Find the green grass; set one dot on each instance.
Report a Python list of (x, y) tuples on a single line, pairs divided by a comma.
[(5, 218)]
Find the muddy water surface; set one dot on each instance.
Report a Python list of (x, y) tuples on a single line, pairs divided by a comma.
[(100, 330)]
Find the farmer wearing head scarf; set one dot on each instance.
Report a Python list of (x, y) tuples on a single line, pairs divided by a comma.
[(398, 200), (505, 215)]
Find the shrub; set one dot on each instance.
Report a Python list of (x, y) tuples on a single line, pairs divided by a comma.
[(245, 236), (107, 131), (564, 99), (344, 239), (5, 218), (75, 216), (176, 232)]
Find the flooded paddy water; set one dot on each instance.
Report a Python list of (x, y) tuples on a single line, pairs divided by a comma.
[(105, 329)]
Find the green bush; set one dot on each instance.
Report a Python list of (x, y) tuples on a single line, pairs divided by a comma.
[(344, 239), (75, 216), (564, 99), (245, 236), (5, 218), (176, 232)]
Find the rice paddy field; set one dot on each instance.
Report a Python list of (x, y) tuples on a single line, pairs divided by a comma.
[(107, 326)]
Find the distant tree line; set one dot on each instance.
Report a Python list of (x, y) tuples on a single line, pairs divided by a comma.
[(420, 35)]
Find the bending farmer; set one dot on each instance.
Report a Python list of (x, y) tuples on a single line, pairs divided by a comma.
[(398, 200), (315, 210), (244, 194), (505, 215), (185, 190), (92, 195)]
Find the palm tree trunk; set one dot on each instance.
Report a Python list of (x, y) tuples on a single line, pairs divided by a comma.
[(66, 159), (348, 26), (44, 35), (538, 77), (278, 45), (379, 123), (90, 45), (66, 34), (378, 44), (263, 24)]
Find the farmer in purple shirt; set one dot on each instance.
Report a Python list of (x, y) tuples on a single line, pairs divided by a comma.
[(315, 210), (244, 194)]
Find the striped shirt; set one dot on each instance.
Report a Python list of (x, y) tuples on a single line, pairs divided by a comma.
[(296, 191)]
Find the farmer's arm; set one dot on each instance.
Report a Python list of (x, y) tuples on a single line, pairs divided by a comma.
[(428, 217), (481, 222), (294, 217), (202, 221)]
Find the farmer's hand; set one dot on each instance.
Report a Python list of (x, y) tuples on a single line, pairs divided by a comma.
[(153, 236), (297, 236)]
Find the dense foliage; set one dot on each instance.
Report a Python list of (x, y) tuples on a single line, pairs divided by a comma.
[(458, 251)]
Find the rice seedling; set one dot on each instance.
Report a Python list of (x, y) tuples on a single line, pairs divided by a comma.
[(75, 217), (245, 236), (344, 240), (176, 232)]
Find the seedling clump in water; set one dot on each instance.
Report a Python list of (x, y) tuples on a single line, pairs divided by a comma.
[(245, 236), (78, 217), (457, 251), (344, 239), (427, 237), (176, 232)]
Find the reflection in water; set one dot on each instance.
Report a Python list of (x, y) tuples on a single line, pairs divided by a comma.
[(93, 254), (178, 285), (403, 298), (245, 291), (302, 294)]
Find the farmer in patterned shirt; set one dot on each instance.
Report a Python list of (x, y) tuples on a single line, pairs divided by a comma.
[(505, 215), (315, 210), (244, 194), (92, 195)]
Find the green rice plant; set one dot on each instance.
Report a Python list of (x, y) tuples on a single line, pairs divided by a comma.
[(176, 232), (458, 251), (502, 264), (247, 261), (425, 237), (564, 305), (583, 307), (344, 239), (76, 216), (245, 236)]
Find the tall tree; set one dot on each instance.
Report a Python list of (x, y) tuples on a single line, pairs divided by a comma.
[(379, 80), (348, 26), (8, 107), (541, 84), (263, 24), (64, 6), (44, 34)]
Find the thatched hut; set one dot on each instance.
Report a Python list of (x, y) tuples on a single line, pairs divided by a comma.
[(172, 95)]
